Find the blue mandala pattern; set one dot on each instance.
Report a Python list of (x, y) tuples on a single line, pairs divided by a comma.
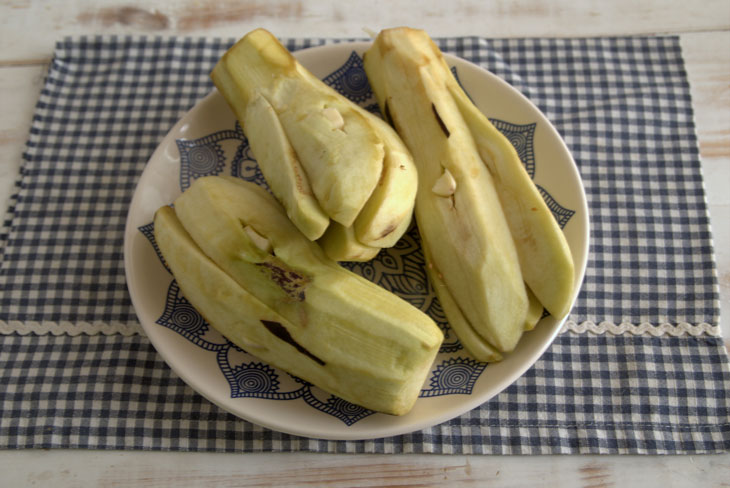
[(456, 77), (561, 214), (244, 166), (253, 378), (148, 230), (454, 376), (521, 137), (348, 412), (373, 108), (350, 80), (400, 269), (199, 158), (180, 316)]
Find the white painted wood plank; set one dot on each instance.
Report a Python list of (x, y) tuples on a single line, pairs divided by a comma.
[(29, 29), (63, 468), (19, 90), (707, 60)]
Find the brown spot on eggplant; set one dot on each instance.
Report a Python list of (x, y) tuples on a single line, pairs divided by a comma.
[(387, 230), (280, 331), (440, 121), (298, 176), (291, 282)]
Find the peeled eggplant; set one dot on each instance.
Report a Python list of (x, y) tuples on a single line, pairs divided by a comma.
[(332, 160), (241, 262), (499, 252)]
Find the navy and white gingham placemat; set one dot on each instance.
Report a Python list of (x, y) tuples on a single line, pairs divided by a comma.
[(598, 394), (623, 107)]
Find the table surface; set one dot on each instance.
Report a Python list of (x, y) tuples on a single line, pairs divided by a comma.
[(27, 37)]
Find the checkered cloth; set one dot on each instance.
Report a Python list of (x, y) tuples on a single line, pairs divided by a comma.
[(623, 107)]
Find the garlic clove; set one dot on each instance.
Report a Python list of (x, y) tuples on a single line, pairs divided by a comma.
[(334, 116), (258, 240), (445, 186)]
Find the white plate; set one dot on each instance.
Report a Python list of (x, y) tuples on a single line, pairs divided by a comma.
[(207, 140)]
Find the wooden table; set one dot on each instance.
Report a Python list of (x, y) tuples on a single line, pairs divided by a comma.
[(29, 31)]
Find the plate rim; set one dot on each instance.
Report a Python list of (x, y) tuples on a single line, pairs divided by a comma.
[(350, 433)]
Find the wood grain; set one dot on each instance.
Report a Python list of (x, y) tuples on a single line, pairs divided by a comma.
[(163, 469), (19, 90), (205, 15), (125, 15), (49, 21), (708, 70)]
